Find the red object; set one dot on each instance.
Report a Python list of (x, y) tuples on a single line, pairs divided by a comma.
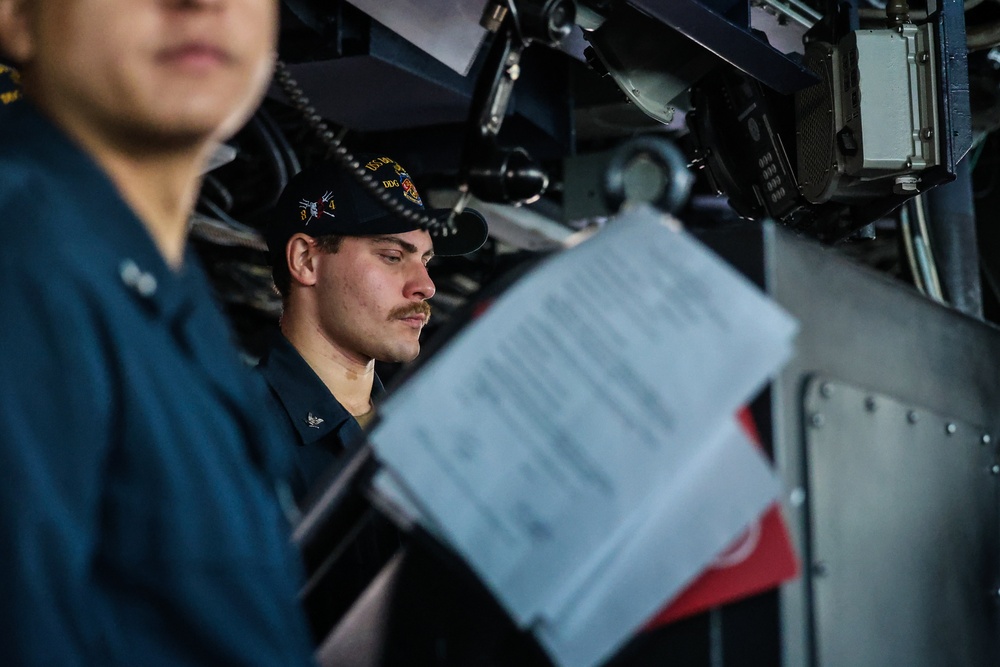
[(759, 560)]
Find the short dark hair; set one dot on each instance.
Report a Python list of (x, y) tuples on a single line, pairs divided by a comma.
[(329, 243)]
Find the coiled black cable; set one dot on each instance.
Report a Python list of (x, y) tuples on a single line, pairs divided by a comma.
[(340, 153)]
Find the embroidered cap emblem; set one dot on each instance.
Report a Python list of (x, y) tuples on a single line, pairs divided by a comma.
[(313, 421), (311, 210), (409, 189)]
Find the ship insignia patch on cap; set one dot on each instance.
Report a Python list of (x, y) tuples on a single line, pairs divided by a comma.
[(409, 189), (312, 210)]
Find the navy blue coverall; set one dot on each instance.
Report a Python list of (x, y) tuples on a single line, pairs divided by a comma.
[(319, 431), (137, 524)]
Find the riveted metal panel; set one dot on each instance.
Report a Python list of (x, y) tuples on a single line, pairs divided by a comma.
[(902, 547), (867, 330)]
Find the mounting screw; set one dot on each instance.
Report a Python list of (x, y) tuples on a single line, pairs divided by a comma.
[(819, 569), (912, 417), (817, 420), (986, 439), (826, 390), (950, 428), (995, 469), (870, 405)]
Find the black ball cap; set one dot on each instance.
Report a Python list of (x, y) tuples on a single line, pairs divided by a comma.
[(326, 199)]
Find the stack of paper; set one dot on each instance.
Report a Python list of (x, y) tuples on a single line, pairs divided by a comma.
[(761, 558), (577, 445)]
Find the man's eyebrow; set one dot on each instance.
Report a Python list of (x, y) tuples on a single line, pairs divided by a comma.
[(405, 245)]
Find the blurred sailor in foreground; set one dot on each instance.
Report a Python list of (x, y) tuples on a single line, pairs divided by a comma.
[(137, 525)]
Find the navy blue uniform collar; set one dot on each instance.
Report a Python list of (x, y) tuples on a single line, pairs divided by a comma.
[(312, 408), (114, 244), (138, 263)]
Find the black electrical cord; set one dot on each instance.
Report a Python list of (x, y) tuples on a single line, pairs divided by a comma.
[(339, 152)]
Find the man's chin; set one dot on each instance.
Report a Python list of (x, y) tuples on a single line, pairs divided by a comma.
[(400, 356), (170, 134)]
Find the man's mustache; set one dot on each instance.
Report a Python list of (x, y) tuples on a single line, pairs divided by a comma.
[(409, 310)]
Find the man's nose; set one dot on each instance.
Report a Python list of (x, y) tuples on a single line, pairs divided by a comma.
[(420, 286)]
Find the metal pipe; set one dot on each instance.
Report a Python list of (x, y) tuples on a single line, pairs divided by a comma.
[(924, 248), (906, 230), (952, 225)]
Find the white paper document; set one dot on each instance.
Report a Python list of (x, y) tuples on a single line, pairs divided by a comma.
[(658, 551), (576, 444)]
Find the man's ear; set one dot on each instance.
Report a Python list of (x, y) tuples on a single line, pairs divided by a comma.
[(300, 253), (16, 37)]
